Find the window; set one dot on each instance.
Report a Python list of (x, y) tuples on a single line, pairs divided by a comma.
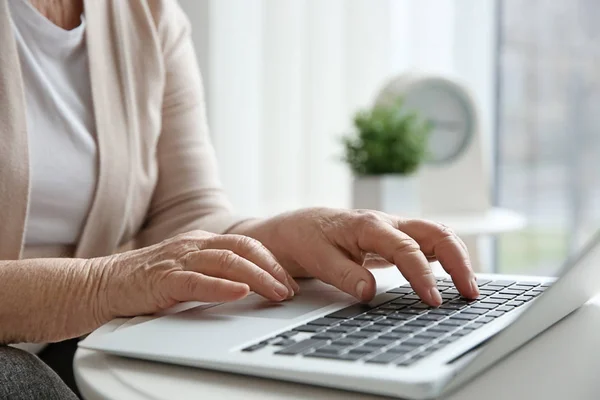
[(548, 131)]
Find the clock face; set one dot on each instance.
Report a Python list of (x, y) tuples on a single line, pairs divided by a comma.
[(450, 113)]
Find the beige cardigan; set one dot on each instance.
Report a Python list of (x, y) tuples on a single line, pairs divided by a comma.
[(157, 169)]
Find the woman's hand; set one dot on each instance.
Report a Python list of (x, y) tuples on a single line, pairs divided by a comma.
[(337, 246), (196, 266)]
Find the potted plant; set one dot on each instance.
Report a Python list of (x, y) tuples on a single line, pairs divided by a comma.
[(385, 151)]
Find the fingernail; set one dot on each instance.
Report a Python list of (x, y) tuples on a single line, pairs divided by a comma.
[(436, 298), (474, 287), (281, 290), (360, 288), (295, 286)]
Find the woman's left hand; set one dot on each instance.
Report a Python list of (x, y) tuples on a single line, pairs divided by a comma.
[(337, 246)]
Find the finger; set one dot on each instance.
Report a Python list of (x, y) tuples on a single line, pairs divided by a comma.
[(229, 265), (254, 251), (345, 274), (192, 286), (452, 253), (293, 283), (378, 236)]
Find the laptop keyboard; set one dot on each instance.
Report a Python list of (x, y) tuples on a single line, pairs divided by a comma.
[(399, 329)]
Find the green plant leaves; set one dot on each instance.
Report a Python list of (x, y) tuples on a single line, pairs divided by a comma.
[(388, 140)]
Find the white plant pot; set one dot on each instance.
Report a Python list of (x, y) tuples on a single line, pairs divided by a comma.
[(392, 194)]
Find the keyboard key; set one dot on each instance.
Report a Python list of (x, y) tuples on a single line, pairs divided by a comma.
[(451, 291), (441, 328), (505, 308), (333, 356), (462, 332), (324, 321), (515, 303), (486, 292), (355, 322), (429, 334), (384, 358), (362, 334), (303, 346), (400, 349), (452, 306), (394, 335), (414, 311), (331, 348), (494, 314), (288, 334), (519, 287), (524, 298), (327, 336), (464, 316), (487, 306), (411, 297), (309, 328), (430, 317), (421, 306), (511, 291), (375, 328), (481, 282), (448, 339), (346, 341), (393, 307), (453, 322), (378, 343), (284, 342), (405, 363), (494, 300), (503, 283), (504, 296), (493, 287), (530, 284), (485, 320), (547, 284), (415, 342), (442, 311), (473, 310), (350, 312), (366, 317), (380, 311), (418, 323), (474, 325), (342, 329), (401, 290), (404, 302), (400, 316), (385, 322), (364, 350), (255, 347)]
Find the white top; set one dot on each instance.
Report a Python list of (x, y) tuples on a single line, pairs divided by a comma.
[(60, 125)]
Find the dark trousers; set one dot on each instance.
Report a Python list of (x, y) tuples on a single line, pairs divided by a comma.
[(49, 375)]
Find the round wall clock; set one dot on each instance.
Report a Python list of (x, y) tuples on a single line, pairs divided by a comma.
[(454, 179), (445, 104)]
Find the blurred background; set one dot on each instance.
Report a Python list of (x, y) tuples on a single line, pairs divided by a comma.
[(283, 79)]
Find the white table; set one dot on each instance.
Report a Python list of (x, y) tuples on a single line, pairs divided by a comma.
[(476, 228), (563, 363)]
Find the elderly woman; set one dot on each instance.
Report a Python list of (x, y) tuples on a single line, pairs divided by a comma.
[(110, 201)]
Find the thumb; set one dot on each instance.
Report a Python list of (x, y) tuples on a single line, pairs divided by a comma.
[(192, 286)]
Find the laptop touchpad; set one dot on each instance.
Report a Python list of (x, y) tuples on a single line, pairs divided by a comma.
[(255, 306)]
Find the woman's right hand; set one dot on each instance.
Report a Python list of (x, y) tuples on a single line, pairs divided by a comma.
[(195, 266)]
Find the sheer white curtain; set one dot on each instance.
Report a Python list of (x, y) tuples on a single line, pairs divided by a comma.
[(283, 78)]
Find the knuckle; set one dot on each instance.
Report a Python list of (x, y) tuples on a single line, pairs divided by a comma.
[(368, 217), (344, 277), (407, 245), (446, 231), (227, 260)]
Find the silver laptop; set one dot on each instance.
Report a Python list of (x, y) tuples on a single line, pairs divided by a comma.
[(394, 346)]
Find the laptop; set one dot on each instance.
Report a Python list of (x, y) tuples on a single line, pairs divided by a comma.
[(395, 346)]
